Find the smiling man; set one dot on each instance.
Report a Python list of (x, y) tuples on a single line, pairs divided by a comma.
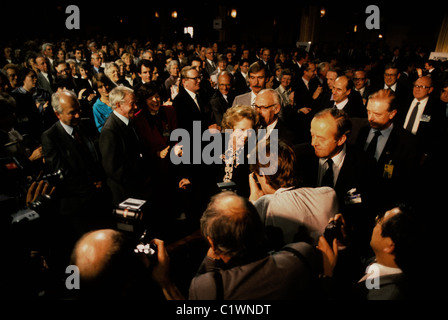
[(345, 99), (122, 154), (330, 161)]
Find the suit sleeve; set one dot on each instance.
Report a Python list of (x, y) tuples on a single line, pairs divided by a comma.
[(54, 160), (112, 154)]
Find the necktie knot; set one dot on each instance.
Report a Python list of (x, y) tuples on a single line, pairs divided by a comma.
[(328, 178), (371, 148), (411, 120)]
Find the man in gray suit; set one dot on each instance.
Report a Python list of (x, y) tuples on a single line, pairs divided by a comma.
[(44, 77), (257, 82)]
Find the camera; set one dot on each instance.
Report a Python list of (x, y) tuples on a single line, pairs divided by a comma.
[(144, 246), (333, 230), (129, 215), (227, 186), (53, 177)]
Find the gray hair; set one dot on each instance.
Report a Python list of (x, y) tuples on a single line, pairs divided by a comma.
[(55, 99), (171, 63), (118, 94), (109, 66), (274, 93)]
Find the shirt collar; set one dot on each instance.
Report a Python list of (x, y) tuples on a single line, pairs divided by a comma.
[(393, 87), (253, 96), (121, 117), (337, 159), (342, 104), (385, 132), (67, 128), (191, 93)]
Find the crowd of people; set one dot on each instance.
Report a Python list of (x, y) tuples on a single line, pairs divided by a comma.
[(354, 138)]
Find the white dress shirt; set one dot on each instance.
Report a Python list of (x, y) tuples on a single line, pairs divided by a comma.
[(421, 108), (338, 161)]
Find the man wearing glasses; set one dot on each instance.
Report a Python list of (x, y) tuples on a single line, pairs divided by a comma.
[(268, 107), (191, 108), (425, 117), (390, 81), (188, 104), (361, 84)]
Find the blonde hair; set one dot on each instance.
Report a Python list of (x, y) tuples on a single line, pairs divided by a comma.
[(236, 114)]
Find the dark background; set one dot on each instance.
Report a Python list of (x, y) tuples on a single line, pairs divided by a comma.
[(275, 23)]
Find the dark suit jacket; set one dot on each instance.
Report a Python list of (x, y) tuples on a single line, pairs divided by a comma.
[(403, 96), (430, 130), (209, 68), (357, 172), (187, 111), (219, 105), (285, 134), (240, 83), (43, 83), (100, 70), (80, 168), (402, 151), (123, 160), (355, 107), (77, 197), (303, 97), (198, 173)]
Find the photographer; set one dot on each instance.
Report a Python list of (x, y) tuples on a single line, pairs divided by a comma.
[(395, 272), (297, 213), (110, 269), (70, 148), (239, 264), (24, 243)]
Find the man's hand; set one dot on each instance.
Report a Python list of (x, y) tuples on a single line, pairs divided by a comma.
[(329, 255), (37, 189), (36, 154), (184, 183), (162, 154), (161, 273), (255, 190)]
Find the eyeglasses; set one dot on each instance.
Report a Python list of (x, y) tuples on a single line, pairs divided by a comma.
[(391, 74), (421, 87), (198, 78), (263, 107)]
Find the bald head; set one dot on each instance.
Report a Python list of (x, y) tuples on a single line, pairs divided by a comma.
[(229, 203), (341, 89), (233, 225), (93, 251)]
